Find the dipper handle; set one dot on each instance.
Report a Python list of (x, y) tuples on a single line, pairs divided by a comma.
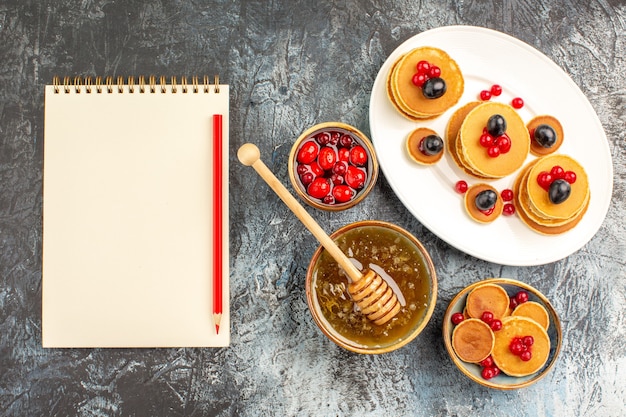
[(250, 155)]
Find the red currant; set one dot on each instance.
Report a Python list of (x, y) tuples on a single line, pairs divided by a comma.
[(557, 172), (306, 178), (326, 158), (495, 325), (488, 212), (513, 303), (434, 71), (487, 317), (355, 177), (319, 188), (544, 179), (493, 151), (507, 194), (334, 138), (526, 355), (345, 140), (504, 143), (323, 138), (528, 341), (343, 193), (423, 67), (496, 90), (487, 362), (456, 318), (486, 140), (419, 79), (521, 297), (337, 179), (516, 347), (344, 154), (302, 169), (570, 176), (329, 199), (508, 209), (316, 169), (487, 373), (460, 186), (308, 152), (496, 370), (358, 156), (517, 103), (340, 167), (485, 95)]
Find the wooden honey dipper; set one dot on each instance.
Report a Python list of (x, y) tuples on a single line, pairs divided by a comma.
[(369, 290)]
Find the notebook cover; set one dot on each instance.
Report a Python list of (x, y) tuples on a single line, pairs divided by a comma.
[(127, 219)]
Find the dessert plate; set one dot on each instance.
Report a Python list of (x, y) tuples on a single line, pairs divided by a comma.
[(488, 57)]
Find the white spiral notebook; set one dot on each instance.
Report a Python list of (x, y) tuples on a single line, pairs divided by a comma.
[(135, 213)]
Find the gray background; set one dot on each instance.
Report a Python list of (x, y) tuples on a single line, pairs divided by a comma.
[(291, 64)]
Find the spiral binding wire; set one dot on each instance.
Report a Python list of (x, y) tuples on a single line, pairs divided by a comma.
[(110, 83)]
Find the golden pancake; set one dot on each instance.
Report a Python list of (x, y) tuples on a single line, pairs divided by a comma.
[(487, 297), (536, 216), (535, 148), (463, 162), (413, 146), (539, 198), (535, 311), (521, 202), (513, 365), (409, 97), (548, 230), (472, 340), (392, 98), (452, 130), (474, 212), (476, 155)]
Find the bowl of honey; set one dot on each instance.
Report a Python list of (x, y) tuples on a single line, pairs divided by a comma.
[(400, 259)]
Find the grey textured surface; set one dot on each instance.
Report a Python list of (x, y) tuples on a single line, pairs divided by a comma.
[(291, 64)]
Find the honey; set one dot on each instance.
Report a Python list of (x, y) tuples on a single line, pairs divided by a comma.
[(397, 260)]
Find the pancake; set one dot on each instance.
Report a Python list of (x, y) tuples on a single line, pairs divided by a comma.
[(513, 365), (474, 212), (409, 97), (476, 155), (539, 198), (535, 148), (472, 340), (534, 311), (452, 130), (413, 148), (534, 215), (392, 99), (522, 201), (464, 164), (487, 297)]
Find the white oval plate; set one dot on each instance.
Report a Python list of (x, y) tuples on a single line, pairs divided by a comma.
[(488, 57)]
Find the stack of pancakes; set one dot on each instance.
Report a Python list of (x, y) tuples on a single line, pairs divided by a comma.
[(533, 202), (463, 140), (408, 99)]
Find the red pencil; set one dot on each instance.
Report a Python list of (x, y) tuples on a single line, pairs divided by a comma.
[(217, 221)]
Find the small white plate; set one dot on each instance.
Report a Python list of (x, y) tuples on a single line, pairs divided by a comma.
[(487, 57)]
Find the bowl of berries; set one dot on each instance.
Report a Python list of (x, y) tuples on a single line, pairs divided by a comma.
[(502, 333), (332, 166)]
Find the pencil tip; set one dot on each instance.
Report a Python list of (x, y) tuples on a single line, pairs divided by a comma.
[(217, 319)]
